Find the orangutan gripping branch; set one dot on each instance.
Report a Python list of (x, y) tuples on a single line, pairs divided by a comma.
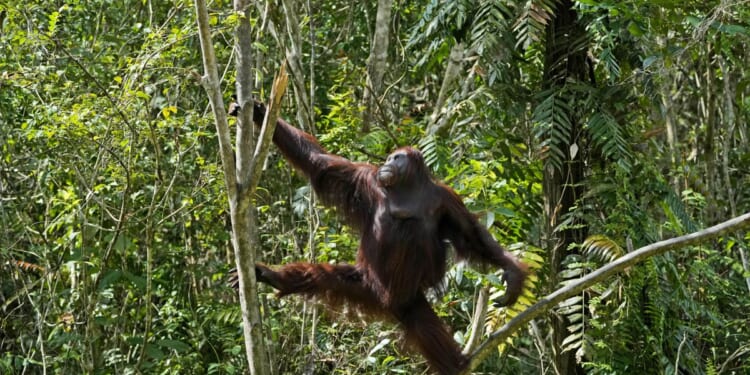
[(404, 218)]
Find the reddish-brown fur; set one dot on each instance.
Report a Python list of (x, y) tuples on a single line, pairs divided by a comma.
[(402, 251)]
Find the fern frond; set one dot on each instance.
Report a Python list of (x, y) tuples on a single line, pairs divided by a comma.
[(432, 16), (677, 213), (607, 134), (574, 340), (375, 139), (610, 64), (554, 128), (573, 307), (27, 266), (227, 316), (439, 18), (428, 146), (530, 25), (602, 247), (490, 22)]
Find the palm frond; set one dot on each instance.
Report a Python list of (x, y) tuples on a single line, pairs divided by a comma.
[(573, 308), (554, 128), (602, 247), (429, 147), (677, 213), (490, 22), (611, 65), (608, 136), (531, 24)]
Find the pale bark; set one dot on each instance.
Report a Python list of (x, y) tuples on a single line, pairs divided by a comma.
[(670, 125), (377, 63), (477, 321), (241, 177), (708, 145), (437, 124), (294, 60)]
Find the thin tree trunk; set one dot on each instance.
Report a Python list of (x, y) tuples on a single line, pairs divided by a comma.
[(707, 146), (244, 220), (452, 71), (671, 129), (730, 119), (294, 59), (241, 177), (377, 63)]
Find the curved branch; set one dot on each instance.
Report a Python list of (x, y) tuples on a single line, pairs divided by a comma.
[(599, 275)]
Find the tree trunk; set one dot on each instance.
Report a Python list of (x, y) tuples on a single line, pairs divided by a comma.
[(730, 119), (377, 63), (707, 147), (241, 177), (294, 60), (452, 71), (564, 59)]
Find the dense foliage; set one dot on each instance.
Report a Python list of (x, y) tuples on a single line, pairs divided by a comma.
[(114, 243)]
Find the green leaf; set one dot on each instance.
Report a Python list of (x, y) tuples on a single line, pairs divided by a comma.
[(647, 62), (505, 211), (154, 352), (176, 345), (109, 278), (635, 30), (138, 281)]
